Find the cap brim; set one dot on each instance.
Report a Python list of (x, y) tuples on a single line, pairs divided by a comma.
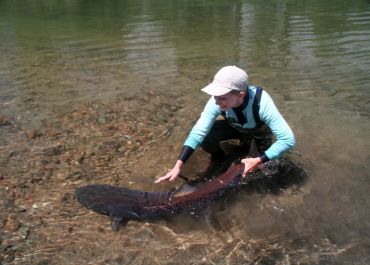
[(215, 90)]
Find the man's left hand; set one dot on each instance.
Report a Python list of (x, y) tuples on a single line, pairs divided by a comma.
[(250, 163)]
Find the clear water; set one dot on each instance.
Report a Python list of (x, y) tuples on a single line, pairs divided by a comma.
[(312, 56)]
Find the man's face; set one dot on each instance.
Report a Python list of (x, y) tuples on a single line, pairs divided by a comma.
[(230, 100)]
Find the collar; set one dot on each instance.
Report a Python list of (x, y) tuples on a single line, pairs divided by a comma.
[(245, 102)]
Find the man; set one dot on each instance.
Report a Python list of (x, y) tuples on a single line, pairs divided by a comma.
[(249, 114)]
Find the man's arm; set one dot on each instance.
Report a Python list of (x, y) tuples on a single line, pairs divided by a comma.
[(195, 138), (274, 120), (279, 127)]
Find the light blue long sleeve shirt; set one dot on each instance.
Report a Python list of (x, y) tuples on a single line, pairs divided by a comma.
[(268, 113)]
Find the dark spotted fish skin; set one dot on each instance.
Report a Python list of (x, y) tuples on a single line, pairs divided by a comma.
[(123, 204)]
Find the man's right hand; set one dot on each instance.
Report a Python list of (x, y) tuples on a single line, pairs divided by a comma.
[(172, 174)]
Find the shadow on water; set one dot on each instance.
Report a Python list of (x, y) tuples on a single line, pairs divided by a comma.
[(277, 176)]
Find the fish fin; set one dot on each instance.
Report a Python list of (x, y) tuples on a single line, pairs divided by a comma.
[(117, 222), (185, 189)]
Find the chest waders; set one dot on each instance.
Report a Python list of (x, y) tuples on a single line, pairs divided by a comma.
[(230, 128)]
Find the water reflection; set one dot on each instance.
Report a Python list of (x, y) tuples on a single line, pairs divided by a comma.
[(148, 53), (294, 37)]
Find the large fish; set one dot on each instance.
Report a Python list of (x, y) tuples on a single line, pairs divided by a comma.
[(123, 204)]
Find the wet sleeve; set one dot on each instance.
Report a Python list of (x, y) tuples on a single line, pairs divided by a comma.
[(284, 136), (186, 152)]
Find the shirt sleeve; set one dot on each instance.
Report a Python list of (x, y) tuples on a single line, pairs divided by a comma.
[(271, 116), (203, 125)]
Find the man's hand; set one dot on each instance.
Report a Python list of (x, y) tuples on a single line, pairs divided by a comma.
[(172, 174), (250, 164)]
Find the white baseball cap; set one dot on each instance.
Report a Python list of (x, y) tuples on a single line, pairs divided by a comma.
[(227, 79)]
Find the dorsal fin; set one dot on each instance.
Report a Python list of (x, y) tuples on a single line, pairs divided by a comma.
[(117, 222), (184, 190)]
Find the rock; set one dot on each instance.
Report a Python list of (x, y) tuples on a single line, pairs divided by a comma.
[(14, 153), (101, 119), (33, 134), (77, 175), (53, 151), (37, 180), (121, 149), (23, 232), (43, 262), (4, 120), (22, 210), (8, 253), (11, 223), (68, 197), (112, 144), (9, 204)]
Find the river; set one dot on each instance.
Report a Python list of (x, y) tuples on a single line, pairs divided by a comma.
[(106, 91)]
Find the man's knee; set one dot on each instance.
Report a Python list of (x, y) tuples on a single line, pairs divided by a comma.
[(221, 131)]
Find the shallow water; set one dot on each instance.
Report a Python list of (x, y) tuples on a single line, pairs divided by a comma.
[(88, 76)]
